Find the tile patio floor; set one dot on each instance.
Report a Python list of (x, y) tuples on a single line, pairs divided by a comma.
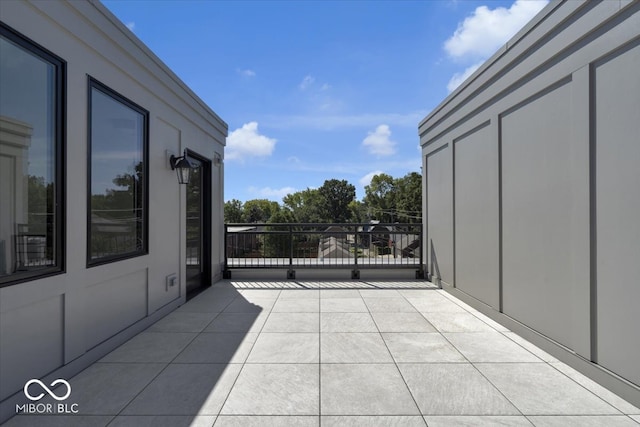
[(401, 356)]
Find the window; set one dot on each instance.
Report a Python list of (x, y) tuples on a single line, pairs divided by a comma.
[(31, 159), (118, 178)]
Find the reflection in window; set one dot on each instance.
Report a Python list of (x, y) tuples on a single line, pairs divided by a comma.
[(31, 118), (118, 177)]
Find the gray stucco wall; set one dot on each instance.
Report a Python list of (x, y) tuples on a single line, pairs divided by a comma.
[(532, 185), (53, 327)]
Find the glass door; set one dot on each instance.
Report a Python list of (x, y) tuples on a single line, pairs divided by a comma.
[(198, 227)]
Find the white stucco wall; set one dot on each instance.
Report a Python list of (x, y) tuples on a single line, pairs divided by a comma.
[(532, 186), (55, 326)]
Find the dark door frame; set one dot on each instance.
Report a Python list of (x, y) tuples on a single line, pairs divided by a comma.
[(205, 215)]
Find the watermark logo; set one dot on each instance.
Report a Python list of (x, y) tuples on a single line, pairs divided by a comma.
[(47, 389), (34, 385)]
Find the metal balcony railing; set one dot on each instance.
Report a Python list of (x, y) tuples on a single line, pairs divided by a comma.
[(348, 246)]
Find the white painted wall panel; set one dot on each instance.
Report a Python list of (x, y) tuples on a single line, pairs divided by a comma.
[(476, 215), (536, 202), (31, 339), (617, 96), (113, 305), (440, 214)]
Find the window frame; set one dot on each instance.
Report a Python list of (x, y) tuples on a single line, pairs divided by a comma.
[(59, 151), (105, 90)]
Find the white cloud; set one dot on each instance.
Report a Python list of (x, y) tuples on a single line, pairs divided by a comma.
[(366, 180), (378, 142), (247, 142), (484, 31), (306, 82), (272, 193), (325, 86), (131, 25), (246, 73), (458, 78)]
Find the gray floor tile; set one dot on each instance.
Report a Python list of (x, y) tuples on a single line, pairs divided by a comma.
[(347, 322), (343, 305), (539, 389), (380, 293), (259, 294), (491, 347), (435, 303), (369, 421), (339, 293), (163, 421), (238, 322), (457, 301), (635, 417), (297, 305), (606, 395), (389, 305), (106, 388), (285, 389), (529, 346), (58, 421), (416, 293), (402, 322), (456, 322), (364, 390), (292, 322), (421, 348), (182, 322), (267, 421), (583, 421), (286, 348), (150, 347), (207, 305), (186, 389), (299, 294), (477, 421), (454, 389), (489, 321), (353, 347), (256, 305), (214, 347)]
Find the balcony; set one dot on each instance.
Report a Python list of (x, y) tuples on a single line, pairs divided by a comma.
[(332, 353)]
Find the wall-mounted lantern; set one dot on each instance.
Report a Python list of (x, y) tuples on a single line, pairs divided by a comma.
[(182, 166)]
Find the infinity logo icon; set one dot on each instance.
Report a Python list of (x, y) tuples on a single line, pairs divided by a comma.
[(47, 389)]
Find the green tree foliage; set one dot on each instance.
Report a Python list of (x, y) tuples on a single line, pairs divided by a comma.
[(259, 210), (305, 205), (233, 211), (380, 198), (335, 196), (387, 199), (409, 198)]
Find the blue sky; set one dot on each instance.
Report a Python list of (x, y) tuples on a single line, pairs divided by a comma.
[(316, 90)]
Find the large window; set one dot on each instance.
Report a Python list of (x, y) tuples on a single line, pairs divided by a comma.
[(118, 178), (31, 159)]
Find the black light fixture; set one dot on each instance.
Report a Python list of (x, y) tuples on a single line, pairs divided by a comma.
[(182, 166)]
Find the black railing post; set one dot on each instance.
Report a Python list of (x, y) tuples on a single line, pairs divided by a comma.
[(355, 274), (291, 274), (226, 273)]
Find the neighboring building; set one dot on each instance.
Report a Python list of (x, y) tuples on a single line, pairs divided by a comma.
[(532, 188), (97, 238)]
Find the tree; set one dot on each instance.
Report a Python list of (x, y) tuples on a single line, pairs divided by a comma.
[(409, 197), (259, 210), (304, 206), (233, 211), (380, 197), (335, 196)]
